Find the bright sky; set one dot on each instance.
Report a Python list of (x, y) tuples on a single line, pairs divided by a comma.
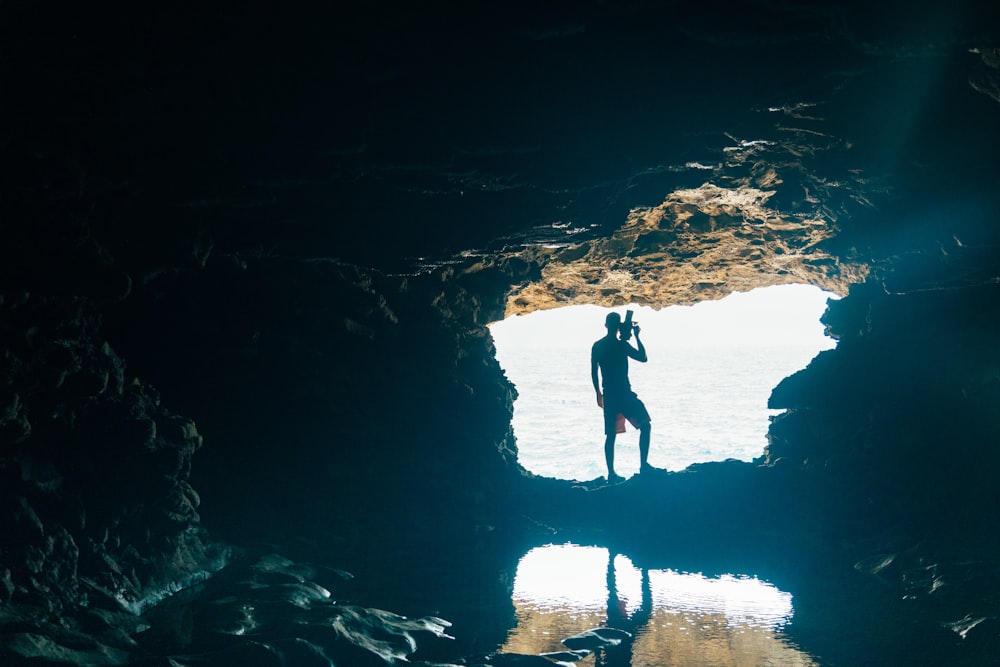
[(785, 314)]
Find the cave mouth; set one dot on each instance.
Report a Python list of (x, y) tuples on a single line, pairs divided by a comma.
[(711, 369)]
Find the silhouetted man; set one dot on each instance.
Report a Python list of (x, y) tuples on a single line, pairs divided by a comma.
[(611, 354)]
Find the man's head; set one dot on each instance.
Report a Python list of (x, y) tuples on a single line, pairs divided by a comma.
[(613, 321)]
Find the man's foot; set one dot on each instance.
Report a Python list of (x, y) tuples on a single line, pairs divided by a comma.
[(646, 468), (614, 478)]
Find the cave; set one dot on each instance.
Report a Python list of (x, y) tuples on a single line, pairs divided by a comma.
[(251, 411)]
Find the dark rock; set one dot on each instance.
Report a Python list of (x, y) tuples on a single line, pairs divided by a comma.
[(80, 650)]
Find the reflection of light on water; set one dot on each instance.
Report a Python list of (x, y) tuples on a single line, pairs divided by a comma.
[(742, 600), (563, 576), (570, 576), (679, 619)]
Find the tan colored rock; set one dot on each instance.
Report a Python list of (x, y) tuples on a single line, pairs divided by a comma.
[(699, 244)]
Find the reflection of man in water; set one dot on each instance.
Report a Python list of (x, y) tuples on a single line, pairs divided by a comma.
[(611, 354), (618, 618)]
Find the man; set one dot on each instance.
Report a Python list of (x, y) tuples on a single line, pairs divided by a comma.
[(611, 354)]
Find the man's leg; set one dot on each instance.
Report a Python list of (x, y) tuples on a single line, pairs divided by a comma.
[(639, 416), (645, 431), (609, 454)]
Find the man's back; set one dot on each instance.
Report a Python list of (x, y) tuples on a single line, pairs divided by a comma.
[(612, 357)]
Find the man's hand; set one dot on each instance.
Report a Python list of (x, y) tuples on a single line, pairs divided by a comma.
[(600, 400), (635, 330)]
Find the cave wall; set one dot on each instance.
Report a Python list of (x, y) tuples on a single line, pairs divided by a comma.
[(95, 470), (903, 413), (342, 402), (327, 384), (311, 303)]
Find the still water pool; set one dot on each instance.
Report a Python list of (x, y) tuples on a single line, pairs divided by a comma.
[(675, 618)]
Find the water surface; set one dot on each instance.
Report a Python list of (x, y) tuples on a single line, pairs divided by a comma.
[(676, 618)]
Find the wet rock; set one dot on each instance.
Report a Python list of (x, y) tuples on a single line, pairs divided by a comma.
[(522, 660), (568, 656), (43, 476), (597, 638), (274, 602), (6, 585), (976, 632), (102, 501), (67, 649), (26, 518)]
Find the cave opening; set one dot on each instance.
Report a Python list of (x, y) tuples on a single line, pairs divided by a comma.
[(711, 369)]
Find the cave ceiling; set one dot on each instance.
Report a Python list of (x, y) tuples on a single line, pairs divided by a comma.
[(635, 152)]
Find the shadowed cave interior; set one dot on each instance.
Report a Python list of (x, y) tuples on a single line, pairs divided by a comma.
[(250, 409)]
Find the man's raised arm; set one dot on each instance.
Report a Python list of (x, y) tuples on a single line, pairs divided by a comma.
[(638, 353)]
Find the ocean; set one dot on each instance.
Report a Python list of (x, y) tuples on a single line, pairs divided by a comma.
[(706, 403)]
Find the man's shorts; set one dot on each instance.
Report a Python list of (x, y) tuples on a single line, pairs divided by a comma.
[(627, 404)]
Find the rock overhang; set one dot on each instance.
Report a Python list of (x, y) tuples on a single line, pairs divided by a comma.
[(700, 244)]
